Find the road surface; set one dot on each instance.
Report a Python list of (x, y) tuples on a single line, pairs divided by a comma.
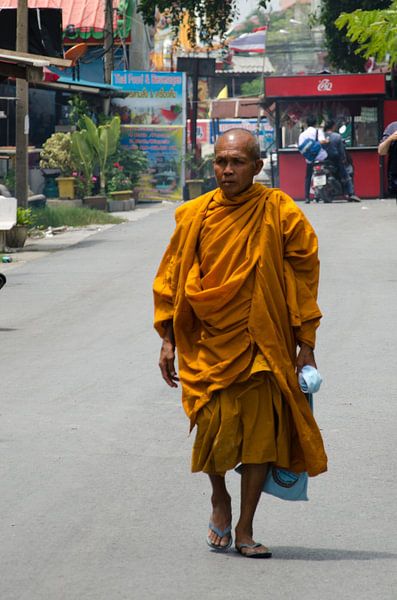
[(97, 501)]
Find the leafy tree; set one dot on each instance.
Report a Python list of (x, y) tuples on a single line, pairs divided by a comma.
[(78, 108), (253, 87), (214, 16), (342, 49), (373, 30)]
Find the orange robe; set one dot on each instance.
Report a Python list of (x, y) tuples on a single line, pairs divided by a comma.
[(272, 248)]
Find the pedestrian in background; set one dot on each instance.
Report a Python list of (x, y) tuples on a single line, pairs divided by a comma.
[(338, 156), (235, 295), (311, 133)]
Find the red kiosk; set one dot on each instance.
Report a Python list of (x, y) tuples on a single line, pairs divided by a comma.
[(356, 101)]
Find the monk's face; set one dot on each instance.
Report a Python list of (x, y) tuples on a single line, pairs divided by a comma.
[(234, 164)]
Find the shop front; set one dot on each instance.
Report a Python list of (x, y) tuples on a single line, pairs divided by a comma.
[(355, 102)]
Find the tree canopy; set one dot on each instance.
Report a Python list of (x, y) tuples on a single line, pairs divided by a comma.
[(214, 16), (253, 87), (344, 50), (374, 31)]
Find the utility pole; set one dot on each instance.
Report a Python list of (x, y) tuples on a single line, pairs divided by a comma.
[(108, 50), (22, 111), (193, 117)]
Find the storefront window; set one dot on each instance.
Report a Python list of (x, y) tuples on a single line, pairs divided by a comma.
[(359, 118)]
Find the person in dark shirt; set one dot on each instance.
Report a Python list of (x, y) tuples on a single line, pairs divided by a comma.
[(388, 147), (337, 154)]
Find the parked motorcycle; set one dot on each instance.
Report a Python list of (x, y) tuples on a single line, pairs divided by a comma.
[(325, 182)]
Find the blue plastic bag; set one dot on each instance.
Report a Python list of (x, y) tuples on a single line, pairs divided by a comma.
[(287, 485), (284, 484)]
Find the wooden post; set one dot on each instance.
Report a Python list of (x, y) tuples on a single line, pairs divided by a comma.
[(22, 111), (2, 241), (193, 117)]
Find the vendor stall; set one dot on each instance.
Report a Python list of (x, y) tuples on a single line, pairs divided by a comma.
[(353, 101)]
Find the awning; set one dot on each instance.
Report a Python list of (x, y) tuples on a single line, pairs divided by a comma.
[(83, 85)]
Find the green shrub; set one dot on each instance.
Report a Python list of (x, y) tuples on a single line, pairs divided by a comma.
[(9, 181), (57, 153), (117, 180), (133, 162), (24, 216), (72, 216)]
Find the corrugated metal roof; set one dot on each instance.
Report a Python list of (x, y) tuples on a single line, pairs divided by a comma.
[(82, 14), (259, 64)]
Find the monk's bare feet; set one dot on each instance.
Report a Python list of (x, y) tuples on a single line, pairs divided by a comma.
[(220, 520), (246, 545)]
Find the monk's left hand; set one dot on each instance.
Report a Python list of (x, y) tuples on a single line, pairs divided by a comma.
[(305, 357)]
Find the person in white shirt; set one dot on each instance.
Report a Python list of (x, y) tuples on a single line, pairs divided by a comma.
[(311, 132)]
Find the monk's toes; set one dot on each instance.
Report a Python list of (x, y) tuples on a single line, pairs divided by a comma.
[(219, 540), (255, 550)]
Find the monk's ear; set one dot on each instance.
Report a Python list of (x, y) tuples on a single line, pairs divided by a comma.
[(258, 166)]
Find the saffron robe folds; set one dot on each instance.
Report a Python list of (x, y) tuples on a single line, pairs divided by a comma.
[(275, 250)]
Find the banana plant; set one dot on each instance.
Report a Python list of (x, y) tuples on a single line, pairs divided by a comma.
[(83, 155), (104, 141)]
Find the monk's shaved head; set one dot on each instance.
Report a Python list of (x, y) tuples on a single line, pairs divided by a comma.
[(237, 161), (243, 136)]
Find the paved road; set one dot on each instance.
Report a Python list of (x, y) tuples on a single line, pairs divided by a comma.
[(97, 502)]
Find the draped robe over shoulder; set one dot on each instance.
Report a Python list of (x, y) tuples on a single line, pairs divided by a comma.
[(260, 242)]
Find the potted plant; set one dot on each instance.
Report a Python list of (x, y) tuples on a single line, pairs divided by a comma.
[(16, 236), (133, 163), (93, 146), (104, 140), (119, 188), (199, 171), (200, 175), (83, 155), (56, 159)]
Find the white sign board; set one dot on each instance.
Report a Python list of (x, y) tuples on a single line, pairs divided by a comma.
[(8, 212)]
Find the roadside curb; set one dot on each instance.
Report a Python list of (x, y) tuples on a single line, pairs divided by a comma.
[(39, 247)]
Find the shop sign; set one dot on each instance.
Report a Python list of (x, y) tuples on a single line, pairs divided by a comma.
[(148, 84), (325, 85), (153, 98)]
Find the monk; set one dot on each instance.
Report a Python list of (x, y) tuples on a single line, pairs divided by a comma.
[(235, 295)]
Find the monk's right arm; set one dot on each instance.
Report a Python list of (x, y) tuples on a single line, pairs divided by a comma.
[(164, 290), (167, 355)]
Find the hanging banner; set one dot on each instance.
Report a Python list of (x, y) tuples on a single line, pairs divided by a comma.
[(153, 119), (164, 148)]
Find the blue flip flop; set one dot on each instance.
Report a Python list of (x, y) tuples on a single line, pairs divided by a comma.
[(218, 547), (266, 554)]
